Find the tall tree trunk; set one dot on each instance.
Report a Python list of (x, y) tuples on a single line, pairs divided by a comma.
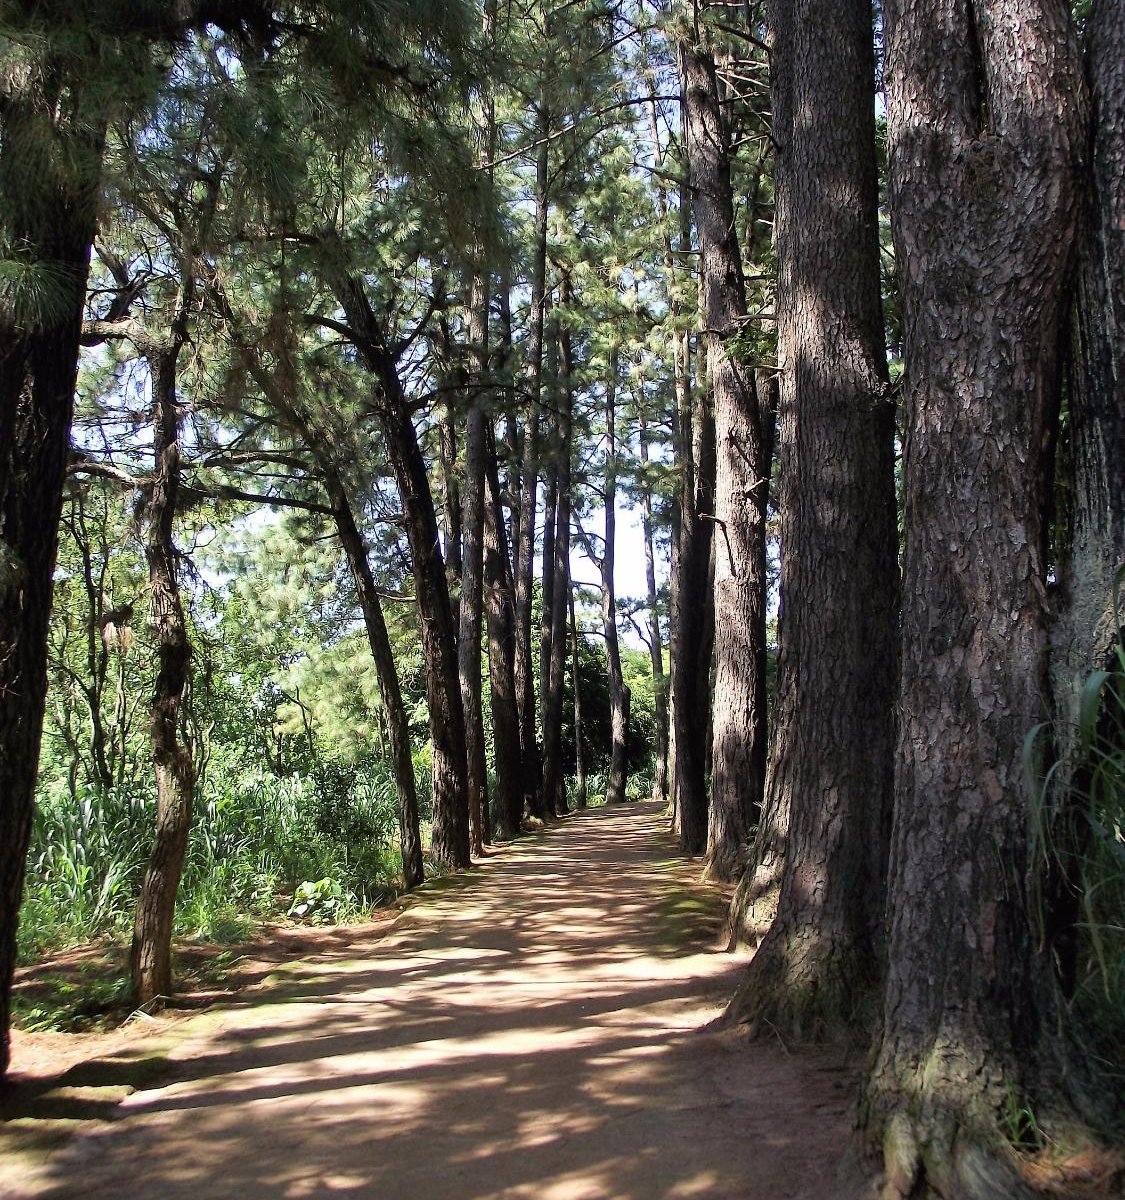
[(382, 654), (554, 790), (51, 214), (450, 501), (741, 480), (150, 956), (529, 486), (580, 796), (477, 438), (818, 969), (692, 626), (985, 133), (472, 570), (691, 598), (618, 692), (655, 643), (449, 844), (500, 619), (1095, 538)]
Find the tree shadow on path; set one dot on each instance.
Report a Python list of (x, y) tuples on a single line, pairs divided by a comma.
[(537, 1033)]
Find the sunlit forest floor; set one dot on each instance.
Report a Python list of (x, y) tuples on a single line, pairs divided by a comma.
[(538, 1028)]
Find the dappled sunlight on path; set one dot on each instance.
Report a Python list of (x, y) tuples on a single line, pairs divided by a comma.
[(539, 1032)]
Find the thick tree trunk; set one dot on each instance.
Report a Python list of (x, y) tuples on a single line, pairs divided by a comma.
[(691, 595), (1094, 551), (38, 369), (449, 844), (450, 839), (818, 968), (692, 624), (501, 623), (985, 131), (150, 956), (390, 692), (741, 481)]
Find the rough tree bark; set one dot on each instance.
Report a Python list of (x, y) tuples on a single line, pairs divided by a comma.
[(692, 600), (817, 969), (986, 134), (51, 213), (738, 747), (150, 956), (1094, 549)]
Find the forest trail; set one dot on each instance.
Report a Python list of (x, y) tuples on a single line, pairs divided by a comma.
[(537, 1032)]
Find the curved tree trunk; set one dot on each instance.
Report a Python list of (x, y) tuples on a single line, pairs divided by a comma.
[(150, 956), (449, 844), (985, 133), (390, 692), (818, 968)]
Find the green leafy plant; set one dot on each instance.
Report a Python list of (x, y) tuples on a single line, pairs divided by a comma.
[(322, 902)]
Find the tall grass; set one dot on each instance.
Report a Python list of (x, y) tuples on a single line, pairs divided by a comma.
[(1078, 846), (252, 844)]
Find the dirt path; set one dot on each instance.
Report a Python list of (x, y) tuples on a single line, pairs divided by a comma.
[(539, 1033)]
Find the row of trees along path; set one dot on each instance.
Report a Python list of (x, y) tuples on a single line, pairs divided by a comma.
[(423, 309), (541, 1032)]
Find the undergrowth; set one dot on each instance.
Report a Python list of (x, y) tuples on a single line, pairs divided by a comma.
[(252, 847), (1078, 849)]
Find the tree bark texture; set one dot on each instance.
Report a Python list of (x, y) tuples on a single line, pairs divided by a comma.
[(150, 956), (52, 214), (738, 747), (985, 124), (818, 968), (1094, 550)]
